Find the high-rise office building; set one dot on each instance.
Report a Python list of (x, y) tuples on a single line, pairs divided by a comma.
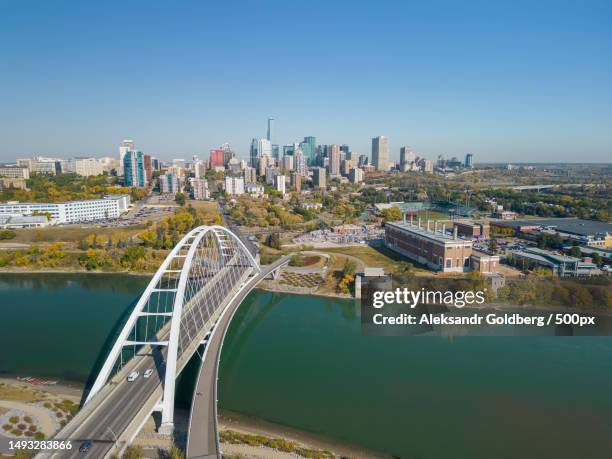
[(289, 149), (309, 148), (469, 160), (296, 181), (199, 169), (216, 158), (270, 134), (334, 160), (133, 169), (363, 160), (260, 148), (356, 175), (148, 167), (299, 163), (318, 178), (380, 153), (406, 155), (126, 145), (287, 163)]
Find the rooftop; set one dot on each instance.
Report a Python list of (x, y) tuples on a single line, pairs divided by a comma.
[(577, 226), (438, 236)]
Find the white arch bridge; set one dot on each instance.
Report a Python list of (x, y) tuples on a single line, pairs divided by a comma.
[(198, 287)]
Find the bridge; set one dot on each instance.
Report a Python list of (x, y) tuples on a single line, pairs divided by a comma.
[(188, 303)]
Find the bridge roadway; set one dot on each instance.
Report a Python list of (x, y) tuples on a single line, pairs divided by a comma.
[(203, 435), (121, 408)]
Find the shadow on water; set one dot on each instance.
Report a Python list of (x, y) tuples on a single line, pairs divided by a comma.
[(106, 348), (233, 345)]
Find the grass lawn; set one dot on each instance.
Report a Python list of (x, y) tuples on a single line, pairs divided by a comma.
[(432, 215), (379, 257), (18, 393), (206, 206), (71, 233)]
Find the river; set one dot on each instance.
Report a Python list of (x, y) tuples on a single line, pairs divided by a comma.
[(302, 361)]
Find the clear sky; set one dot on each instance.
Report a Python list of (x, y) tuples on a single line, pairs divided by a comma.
[(505, 80)]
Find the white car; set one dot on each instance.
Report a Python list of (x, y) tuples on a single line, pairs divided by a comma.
[(148, 373), (133, 375)]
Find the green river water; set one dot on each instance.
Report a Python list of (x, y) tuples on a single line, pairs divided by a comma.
[(302, 361)]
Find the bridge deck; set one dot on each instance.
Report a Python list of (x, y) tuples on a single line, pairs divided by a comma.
[(203, 430)]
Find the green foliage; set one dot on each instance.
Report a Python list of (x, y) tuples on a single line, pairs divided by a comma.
[(597, 259), (68, 187), (180, 199), (349, 268), (133, 452), (575, 252), (7, 234), (392, 214), (296, 260), (273, 241), (551, 291)]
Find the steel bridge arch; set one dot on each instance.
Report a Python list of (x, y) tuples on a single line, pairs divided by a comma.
[(202, 254)]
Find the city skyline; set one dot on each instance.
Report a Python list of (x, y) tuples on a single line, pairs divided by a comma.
[(507, 83)]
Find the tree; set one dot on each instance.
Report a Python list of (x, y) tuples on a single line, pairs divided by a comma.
[(575, 252), (493, 245), (349, 268), (180, 199), (273, 241), (597, 258), (7, 234), (392, 214)]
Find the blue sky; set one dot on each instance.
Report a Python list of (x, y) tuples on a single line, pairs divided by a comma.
[(505, 80)]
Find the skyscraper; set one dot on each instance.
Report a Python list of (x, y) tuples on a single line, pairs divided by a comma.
[(406, 155), (469, 160), (126, 145), (309, 148), (380, 153), (299, 163), (133, 169), (318, 178), (334, 159), (259, 148), (270, 128)]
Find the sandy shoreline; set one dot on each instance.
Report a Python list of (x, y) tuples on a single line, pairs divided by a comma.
[(229, 420)]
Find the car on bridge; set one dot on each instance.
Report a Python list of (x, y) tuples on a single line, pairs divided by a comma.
[(85, 446), (148, 373), (133, 375)]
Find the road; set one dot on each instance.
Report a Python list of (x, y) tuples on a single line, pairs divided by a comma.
[(203, 430), (123, 402)]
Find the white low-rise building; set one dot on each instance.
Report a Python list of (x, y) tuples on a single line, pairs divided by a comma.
[(111, 206)]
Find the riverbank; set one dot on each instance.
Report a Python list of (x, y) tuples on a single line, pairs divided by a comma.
[(14, 270), (236, 422), (16, 394)]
